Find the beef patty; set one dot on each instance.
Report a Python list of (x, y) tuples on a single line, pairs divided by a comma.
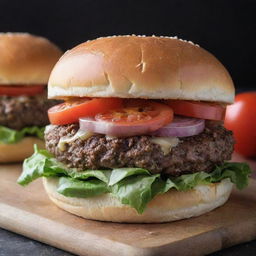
[(193, 154), (21, 111)]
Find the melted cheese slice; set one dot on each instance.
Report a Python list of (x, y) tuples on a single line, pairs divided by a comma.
[(166, 143), (83, 135)]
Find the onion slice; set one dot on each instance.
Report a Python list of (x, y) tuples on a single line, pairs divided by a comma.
[(113, 129), (181, 127)]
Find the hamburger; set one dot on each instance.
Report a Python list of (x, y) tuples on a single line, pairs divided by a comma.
[(25, 65), (140, 137)]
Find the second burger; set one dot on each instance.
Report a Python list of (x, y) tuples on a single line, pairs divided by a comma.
[(25, 65)]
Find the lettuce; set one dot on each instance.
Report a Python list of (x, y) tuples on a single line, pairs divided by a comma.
[(135, 187), (10, 136), (78, 188)]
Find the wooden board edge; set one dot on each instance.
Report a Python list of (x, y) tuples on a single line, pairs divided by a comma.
[(208, 242), (84, 244)]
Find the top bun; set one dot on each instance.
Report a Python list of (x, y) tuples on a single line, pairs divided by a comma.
[(141, 67), (26, 59)]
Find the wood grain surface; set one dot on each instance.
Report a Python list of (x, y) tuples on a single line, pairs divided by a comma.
[(29, 212)]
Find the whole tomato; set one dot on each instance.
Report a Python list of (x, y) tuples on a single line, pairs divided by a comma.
[(241, 119)]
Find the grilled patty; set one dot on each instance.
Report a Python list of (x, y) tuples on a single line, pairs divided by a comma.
[(193, 154), (21, 111)]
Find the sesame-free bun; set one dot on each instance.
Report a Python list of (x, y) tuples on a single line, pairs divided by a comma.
[(171, 206), (141, 67), (17, 152), (26, 59)]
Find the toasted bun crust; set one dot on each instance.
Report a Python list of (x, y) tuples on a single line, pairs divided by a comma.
[(10, 153), (26, 59), (141, 67), (170, 206)]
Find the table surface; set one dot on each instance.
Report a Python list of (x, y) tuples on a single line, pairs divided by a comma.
[(14, 244)]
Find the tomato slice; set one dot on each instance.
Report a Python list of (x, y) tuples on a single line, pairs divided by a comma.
[(21, 90), (203, 110), (70, 111), (139, 112)]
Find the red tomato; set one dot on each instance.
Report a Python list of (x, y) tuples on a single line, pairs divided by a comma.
[(139, 112), (241, 119), (70, 111), (203, 110), (21, 90)]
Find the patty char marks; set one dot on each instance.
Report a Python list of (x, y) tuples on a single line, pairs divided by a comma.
[(193, 154)]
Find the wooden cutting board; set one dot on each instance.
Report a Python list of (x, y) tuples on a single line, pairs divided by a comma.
[(29, 212)]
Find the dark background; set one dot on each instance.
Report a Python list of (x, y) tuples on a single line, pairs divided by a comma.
[(226, 28)]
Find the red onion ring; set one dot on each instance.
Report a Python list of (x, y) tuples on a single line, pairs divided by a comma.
[(181, 127), (113, 129)]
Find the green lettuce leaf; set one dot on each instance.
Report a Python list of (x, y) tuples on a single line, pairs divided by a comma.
[(121, 173), (237, 172), (10, 136), (77, 188), (101, 175), (189, 181), (135, 187), (135, 191), (41, 164)]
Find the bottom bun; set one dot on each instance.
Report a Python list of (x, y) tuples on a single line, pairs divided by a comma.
[(171, 206), (17, 152)]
